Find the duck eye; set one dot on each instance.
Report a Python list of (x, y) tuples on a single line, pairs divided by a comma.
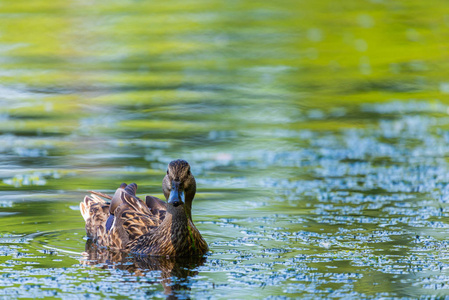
[(167, 171), (188, 172)]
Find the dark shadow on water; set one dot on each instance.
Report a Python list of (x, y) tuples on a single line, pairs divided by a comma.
[(176, 274)]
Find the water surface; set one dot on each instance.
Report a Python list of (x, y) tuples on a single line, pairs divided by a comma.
[(318, 133)]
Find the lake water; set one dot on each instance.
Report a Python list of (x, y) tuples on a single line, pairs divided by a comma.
[(318, 132)]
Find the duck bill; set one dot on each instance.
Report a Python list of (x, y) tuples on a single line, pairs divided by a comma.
[(176, 197)]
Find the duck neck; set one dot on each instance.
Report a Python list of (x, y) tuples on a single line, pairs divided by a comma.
[(182, 231), (178, 218)]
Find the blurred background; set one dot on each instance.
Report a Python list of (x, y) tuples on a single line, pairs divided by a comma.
[(317, 130)]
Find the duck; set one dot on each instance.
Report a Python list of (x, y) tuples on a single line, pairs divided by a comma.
[(152, 227)]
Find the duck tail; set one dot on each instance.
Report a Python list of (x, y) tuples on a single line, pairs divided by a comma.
[(89, 201), (95, 212)]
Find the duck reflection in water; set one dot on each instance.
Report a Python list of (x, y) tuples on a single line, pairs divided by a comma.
[(176, 273)]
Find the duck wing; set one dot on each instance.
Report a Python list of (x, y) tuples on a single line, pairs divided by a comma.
[(136, 224), (122, 220), (157, 206), (126, 195), (130, 217), (155, 203)]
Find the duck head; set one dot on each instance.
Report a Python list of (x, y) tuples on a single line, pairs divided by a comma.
[(179, 186)]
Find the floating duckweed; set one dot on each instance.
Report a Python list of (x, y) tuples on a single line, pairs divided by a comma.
[(35, 178)]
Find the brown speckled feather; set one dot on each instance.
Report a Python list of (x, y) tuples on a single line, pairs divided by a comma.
[(132, 218)]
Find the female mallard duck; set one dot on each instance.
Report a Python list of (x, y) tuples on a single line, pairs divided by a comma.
[(153, 227)]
